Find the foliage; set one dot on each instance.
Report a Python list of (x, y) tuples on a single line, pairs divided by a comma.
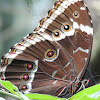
[(14, 90), (92, 93)]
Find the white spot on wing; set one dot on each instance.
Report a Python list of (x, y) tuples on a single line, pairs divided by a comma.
[(45, 24), (60, 8), (26, 44), (82, 8), (75, 25), (67, 65), (71, 19), (54, 73), (53, 16), (72, 1), (41, 38), (17, 51), (49, 20), (85, 59), (87, 29), (66, 3), (46, 36), (20, 47), (37, 39), (41, 29), (55, 82), (70, 33), (91, 21), (81, 49), (11, 56), (31, 41), (64, 77)]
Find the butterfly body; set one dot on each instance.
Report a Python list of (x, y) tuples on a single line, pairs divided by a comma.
[(55, 55)]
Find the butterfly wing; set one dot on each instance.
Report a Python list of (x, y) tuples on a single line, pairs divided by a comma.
[(56, 55), (21, 65), (70, 24)]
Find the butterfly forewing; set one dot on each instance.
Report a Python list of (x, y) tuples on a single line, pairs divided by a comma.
[(56, 54)]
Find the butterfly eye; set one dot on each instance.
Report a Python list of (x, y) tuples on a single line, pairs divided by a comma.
[(50, 53), (30, 66), (66, 27), (76, 14), (56, 33), (24, 87), (25, 77)]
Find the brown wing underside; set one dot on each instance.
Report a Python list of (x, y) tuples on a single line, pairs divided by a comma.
[(44, 62)]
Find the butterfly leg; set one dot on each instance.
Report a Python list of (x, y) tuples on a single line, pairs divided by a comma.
[(78, 86)]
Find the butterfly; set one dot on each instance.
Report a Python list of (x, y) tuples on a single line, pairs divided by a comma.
[(53, 59)]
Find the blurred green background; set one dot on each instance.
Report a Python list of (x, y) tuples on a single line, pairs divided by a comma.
[(20, 17)]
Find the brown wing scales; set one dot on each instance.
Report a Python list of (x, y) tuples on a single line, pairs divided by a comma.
[(55, 55)]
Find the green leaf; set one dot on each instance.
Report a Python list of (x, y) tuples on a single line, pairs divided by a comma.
[(9, 86), (6, 95), (12, 88), (43, 97), (91, 93)]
